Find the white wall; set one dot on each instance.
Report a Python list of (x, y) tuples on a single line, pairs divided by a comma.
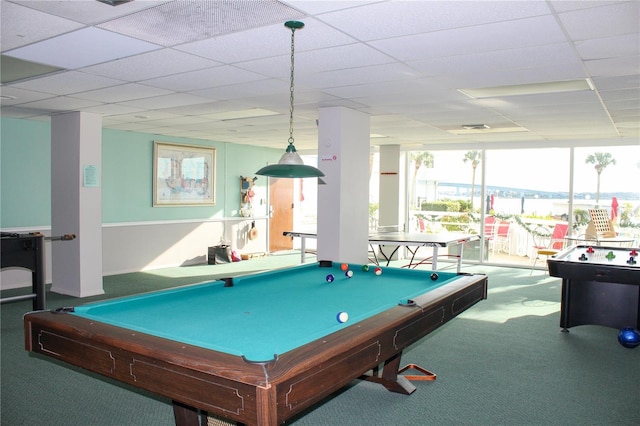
[(140, 246)]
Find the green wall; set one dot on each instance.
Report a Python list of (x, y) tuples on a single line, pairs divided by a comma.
[(127, 164)]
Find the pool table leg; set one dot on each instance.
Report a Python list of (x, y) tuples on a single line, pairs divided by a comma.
[(390, 378), (186, 415)]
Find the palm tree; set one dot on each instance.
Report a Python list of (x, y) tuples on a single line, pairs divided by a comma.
[(419, 158), (474, 157), (600, 160)]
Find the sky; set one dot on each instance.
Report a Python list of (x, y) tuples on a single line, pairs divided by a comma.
[(545, 169)]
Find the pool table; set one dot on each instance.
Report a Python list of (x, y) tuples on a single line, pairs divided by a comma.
[(258, 349)]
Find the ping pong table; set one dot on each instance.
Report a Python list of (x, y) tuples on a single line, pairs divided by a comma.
[(411, 241)]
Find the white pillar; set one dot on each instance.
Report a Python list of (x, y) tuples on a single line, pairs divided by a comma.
[(391, 198), (343, 201), (76, 203), (390, 213)]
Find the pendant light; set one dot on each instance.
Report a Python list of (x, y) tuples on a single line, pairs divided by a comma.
[(290, 164)]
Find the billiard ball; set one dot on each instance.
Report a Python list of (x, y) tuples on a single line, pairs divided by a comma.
[(378, 271), (365, 268), (349, 273), (629, 337), (434, 276), (330, 278), (342, 317), (344, 266)]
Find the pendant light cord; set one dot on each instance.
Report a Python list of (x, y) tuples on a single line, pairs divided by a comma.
[(291, 146)]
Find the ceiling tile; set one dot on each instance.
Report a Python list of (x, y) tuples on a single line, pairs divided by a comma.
[(122, 93), (201, 79), (149, 65), (87, 11), (14, 32), (394, 19), (81, 48), (166, 101), (477, 39), (605, 21), (67, 83), (608, 47), (179, 22)]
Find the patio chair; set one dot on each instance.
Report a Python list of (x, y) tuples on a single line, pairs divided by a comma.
[(548, 243), (500, 240)]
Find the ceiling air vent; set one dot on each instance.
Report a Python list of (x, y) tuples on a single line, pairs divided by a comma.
[(114, 2), (475, 126)]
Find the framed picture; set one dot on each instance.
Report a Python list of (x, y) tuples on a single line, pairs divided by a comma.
[(183, 175)]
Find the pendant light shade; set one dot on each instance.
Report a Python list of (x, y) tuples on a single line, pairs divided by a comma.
[(290, 164)]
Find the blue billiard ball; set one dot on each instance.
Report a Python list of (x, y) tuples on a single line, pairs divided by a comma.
[(330, 278), (342, 317), (629, 337), (349, 273)]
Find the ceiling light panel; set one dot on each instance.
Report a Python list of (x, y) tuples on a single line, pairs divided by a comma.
[(88, 46), (182, 21), (529, 89)]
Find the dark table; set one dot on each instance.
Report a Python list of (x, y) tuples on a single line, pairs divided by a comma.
[(25, 251), (600, 286), (258, 349)]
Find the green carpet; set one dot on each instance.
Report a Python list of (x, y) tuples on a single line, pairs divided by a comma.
[(502, 362)]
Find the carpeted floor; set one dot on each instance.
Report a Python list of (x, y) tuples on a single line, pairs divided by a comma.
[(502, 362)]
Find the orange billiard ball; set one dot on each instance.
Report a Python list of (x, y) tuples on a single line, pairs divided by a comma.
[(344, 266)]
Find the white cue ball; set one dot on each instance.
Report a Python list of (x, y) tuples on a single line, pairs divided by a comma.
[(342, 317)]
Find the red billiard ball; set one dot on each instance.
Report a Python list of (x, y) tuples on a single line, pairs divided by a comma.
[(378, 271), (344, 266)]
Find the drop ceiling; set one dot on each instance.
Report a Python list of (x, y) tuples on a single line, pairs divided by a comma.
[(219, 70)]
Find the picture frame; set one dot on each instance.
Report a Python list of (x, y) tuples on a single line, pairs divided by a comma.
[(183, 175)]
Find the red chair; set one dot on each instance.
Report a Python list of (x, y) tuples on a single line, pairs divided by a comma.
[(501, 237), (489, 226), (549, 244)]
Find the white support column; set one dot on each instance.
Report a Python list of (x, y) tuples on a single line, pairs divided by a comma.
[(76, 203), (391, 199), (343, 201), (390, 211)]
